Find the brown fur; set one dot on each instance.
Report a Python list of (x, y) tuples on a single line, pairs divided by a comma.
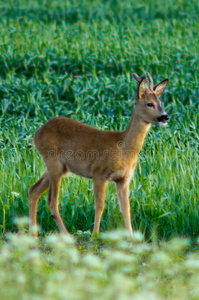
[(70, 146)]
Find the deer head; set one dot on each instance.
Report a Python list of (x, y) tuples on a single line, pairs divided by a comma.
[(148, 105)]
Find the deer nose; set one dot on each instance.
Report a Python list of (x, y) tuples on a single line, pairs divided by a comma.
[(164, 117)]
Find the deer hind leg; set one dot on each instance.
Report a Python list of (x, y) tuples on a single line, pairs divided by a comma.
[(123, 194), (55, 174), (99, 192), (34, 193)]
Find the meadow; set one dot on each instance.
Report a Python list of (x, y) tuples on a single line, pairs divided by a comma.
[(76, 59)]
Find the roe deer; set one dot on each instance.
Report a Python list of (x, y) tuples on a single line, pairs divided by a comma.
[(70, 146)]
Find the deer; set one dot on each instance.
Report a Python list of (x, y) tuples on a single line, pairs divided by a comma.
[(68, 146)]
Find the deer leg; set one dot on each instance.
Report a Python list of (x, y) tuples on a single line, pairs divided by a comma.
[(54, 185), (123, 194), (99, 192), (34, 193)]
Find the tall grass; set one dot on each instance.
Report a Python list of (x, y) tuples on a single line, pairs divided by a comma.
[(76, 59)]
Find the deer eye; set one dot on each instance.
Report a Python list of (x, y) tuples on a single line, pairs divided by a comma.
[(150, 104)]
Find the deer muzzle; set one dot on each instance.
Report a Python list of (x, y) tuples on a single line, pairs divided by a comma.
[(163, 118)]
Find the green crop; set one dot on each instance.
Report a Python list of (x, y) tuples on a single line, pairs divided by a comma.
[(76, 58)]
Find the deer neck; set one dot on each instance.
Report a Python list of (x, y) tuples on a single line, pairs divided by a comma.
[(135, 134)]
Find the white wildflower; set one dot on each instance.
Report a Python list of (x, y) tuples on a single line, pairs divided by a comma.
[(161, 259), (116, 236), (15, 194), (146, 295), (137, 237), (34, 257), (58, 240), (92, 261), (140, 248), (21, 242), (21, 279), (177, 245), (118, 258), (192, 263), (21, 222)]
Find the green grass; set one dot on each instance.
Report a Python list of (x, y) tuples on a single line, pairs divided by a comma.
[(76, 59)]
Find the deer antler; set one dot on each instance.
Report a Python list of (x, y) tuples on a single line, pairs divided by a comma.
[(137, 78), (150, 81)]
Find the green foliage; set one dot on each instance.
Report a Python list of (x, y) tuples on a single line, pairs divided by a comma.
[(76, 58), (116, 266)]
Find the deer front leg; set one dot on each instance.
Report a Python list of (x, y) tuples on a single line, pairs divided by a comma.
[(55, 171), (54, 186), (123, 194), (99, 192), (53, 203)]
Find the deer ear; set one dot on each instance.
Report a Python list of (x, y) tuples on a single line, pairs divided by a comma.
[(160, 87), (142, 88)]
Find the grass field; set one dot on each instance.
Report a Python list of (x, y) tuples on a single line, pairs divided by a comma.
[(76, 58)]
